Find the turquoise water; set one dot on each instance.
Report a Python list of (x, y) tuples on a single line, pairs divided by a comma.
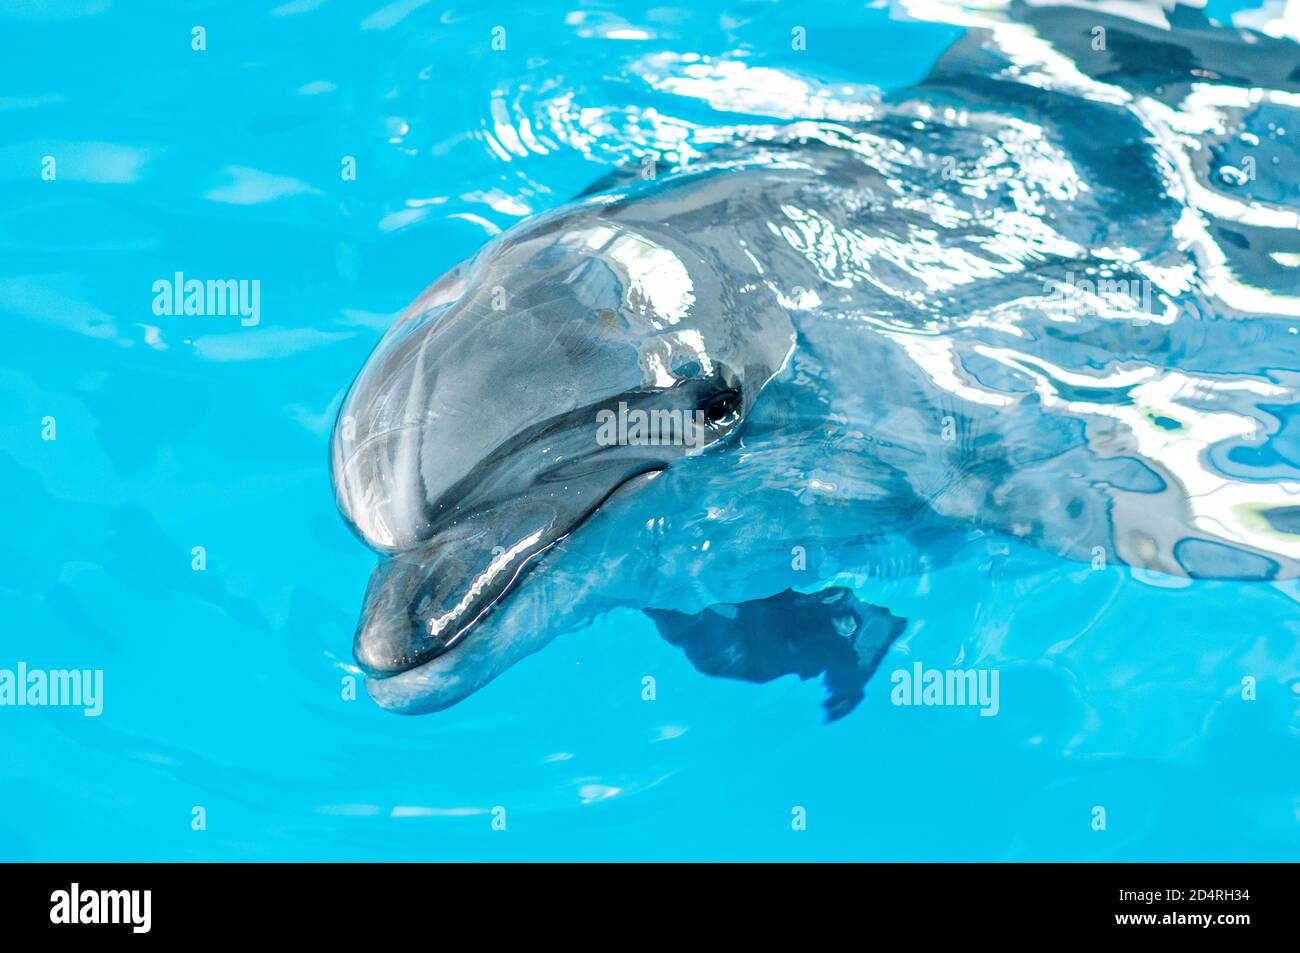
[(226, 687)]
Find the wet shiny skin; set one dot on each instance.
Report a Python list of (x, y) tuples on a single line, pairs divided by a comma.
[(966, 313)]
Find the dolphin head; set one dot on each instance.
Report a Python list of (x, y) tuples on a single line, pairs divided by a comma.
[(570, 356)]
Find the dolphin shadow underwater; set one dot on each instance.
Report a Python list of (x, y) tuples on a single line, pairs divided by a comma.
[(831, 633), (1007, 304)]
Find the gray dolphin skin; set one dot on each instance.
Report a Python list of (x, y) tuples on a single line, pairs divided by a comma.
[(474, 432), (868, 338)]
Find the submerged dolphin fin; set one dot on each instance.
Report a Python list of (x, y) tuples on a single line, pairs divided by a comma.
[(830, 633)]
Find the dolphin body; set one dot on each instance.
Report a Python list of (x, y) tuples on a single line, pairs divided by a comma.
[(878, 330)]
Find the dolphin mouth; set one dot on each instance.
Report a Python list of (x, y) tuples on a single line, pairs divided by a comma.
[(425, 601)]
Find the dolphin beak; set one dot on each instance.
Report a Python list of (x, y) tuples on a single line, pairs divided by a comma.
[(451, 551), (423, 601)]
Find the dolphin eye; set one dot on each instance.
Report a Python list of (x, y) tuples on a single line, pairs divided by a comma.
[(721, 409)]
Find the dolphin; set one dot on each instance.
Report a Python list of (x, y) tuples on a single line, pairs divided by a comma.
[(831, 349)]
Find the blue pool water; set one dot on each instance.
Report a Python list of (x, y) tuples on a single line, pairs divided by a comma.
[(224, 689)]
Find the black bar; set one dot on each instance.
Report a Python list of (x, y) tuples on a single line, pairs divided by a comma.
[(812, 902)]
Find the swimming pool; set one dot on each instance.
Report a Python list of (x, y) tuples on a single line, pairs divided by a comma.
[(171, 523)]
